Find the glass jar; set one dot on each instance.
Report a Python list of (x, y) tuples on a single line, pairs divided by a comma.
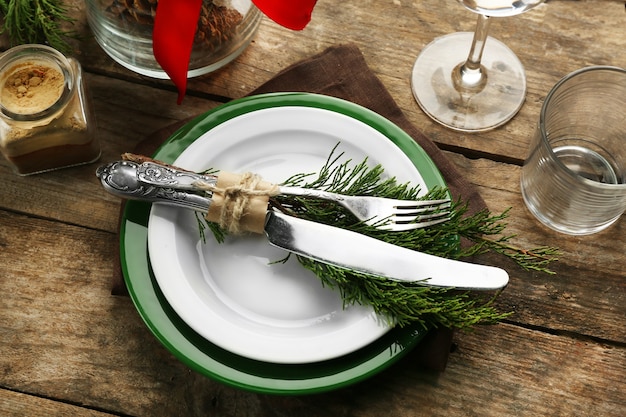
[(124, 30), (45, 118)]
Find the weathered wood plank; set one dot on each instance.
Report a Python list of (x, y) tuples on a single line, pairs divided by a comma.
[(15, 404), (62, 335)]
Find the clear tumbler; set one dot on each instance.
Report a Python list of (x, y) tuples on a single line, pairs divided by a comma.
[(574, 179)]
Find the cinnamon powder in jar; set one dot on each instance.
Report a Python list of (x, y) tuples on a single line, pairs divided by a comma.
[(31, 88), (45, 122)]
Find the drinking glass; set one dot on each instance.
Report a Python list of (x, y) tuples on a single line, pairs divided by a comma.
[(477, 91), (574, 179)]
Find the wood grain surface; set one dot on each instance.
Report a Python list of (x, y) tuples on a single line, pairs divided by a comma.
[(70, 348)]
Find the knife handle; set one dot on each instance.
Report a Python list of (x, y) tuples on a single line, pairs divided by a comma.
[(157, 175)]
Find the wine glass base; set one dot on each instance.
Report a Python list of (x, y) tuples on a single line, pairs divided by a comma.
[(468, 110)]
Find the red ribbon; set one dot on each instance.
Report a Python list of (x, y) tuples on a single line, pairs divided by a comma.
[(292, 14), (174, 29), (176, 21)]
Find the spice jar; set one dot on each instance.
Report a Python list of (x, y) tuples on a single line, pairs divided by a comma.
[(124, 31), (45, 118)]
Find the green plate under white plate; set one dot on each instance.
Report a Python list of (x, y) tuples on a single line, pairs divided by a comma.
[(221, 364)]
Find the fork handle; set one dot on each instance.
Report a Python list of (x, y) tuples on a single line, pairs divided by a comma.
[(312, 193)]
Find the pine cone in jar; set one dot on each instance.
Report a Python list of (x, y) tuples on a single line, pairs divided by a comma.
[(217, 24)]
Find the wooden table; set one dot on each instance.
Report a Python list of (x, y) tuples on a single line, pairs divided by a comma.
[(68, 347)]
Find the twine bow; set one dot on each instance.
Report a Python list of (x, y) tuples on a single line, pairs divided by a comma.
[(239, 201), (176, 21)]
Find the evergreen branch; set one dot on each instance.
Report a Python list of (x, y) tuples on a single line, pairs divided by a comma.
[(480, 227), (404, 302), (38, 22)]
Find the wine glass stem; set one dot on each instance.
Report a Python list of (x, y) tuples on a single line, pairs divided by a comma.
[(470, 75)]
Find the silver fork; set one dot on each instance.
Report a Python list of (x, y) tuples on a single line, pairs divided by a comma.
[(382, 213)]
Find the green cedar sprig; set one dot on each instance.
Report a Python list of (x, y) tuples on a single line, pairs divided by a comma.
[(401, 302), (36, 21)]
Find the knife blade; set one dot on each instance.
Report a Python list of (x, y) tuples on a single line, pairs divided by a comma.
[(323, 243), (361, 253)]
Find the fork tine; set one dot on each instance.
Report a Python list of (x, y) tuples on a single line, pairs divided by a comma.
[(402, 227), (409, 213), (420, 219), (403, 204), (422, 213), (403, 222), (423, 206), (408, 218)]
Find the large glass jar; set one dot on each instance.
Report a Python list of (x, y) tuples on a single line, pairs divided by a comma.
[(123, 28)]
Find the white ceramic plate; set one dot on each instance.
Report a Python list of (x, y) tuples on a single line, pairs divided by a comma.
[(231, 293)]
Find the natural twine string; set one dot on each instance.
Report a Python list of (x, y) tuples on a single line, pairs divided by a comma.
[(236, 199)]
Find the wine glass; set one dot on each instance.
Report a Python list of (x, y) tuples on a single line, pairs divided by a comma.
[(474, 92)]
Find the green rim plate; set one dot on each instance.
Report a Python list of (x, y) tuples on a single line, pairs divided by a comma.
[(212, 361)]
